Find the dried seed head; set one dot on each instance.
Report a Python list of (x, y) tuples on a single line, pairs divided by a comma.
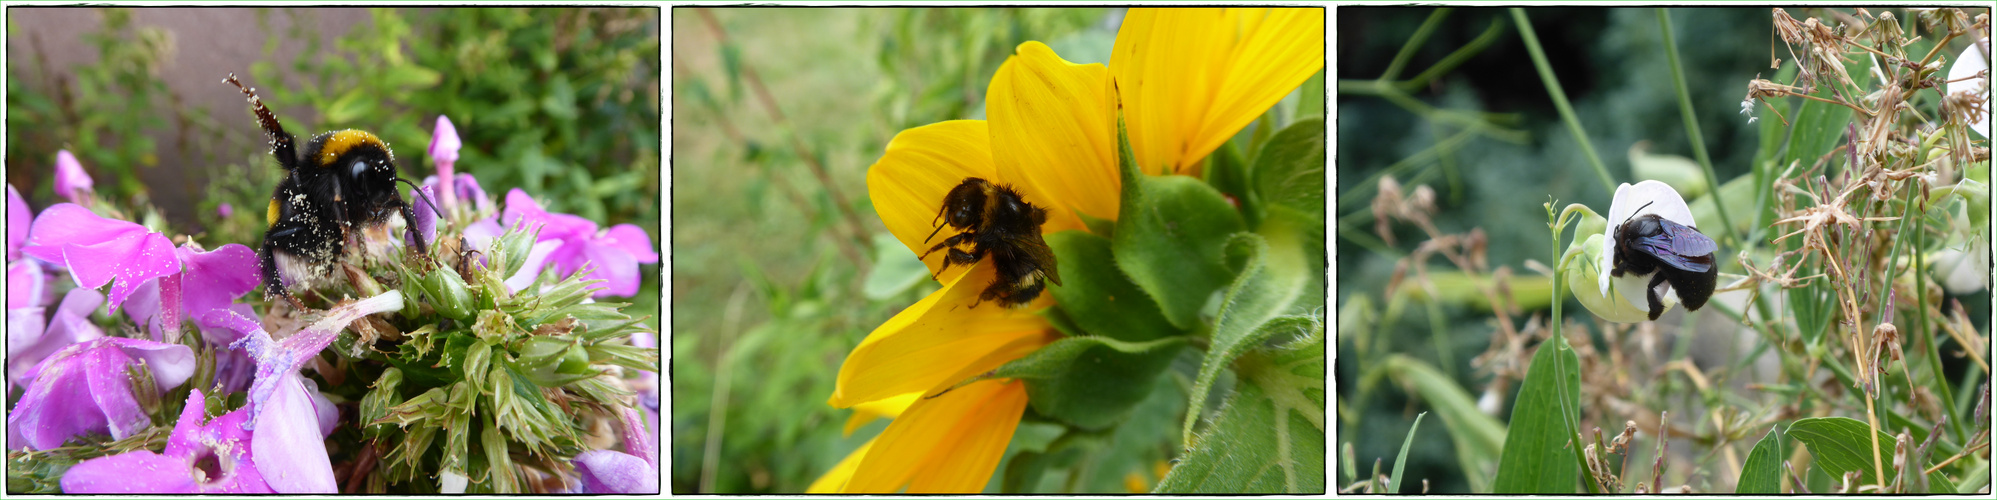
[(1788, 27)]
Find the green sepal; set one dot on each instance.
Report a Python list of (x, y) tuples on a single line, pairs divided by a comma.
[(1097, 297), (1169, 237)]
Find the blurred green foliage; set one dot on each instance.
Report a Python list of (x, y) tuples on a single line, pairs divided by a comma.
[(90, 110)]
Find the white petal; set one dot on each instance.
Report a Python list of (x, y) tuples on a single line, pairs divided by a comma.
[(1617, 212), (1968, 64)]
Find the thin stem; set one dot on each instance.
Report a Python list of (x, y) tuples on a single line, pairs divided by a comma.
[(1921, 320), (1408, 49), (1456, 58), (1560, 98), (818, 169), (1965, 452), (1872, 420), (1692, 122)]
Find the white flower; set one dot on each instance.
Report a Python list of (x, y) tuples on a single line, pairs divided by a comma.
[(1647, 197), (1972, 61)]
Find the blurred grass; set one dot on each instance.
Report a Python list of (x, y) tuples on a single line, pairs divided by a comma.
[(766, 302)]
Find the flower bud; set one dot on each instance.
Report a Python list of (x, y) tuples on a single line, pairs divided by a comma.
[(448, 293)]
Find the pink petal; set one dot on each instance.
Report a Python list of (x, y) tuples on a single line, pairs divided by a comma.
[(537, 261), (27, 347), (444, 143), (25, 283), (287, 446), (615, 266), (215, 278), (605, 471), (69, 175), (634, 240), (141, 471), (19, 217), (71, 224)]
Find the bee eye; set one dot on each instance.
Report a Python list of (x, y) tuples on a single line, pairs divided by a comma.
[(358, 168)]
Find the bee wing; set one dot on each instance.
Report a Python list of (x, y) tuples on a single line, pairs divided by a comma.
[(1664, 246), (1036, 249), (1688, 241)]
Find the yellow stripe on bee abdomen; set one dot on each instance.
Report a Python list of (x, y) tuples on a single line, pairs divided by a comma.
[(270, 216)]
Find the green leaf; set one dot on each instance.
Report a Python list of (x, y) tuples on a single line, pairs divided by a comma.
[(1478, 437), (1090, 382), (1098, 297), (1170, 237), (1538, 458), (1840, 446), (1270, 436), (1310, 99), (895, 269), (1762, 474), (1260, 293), (1289, 171), (1394, 481)]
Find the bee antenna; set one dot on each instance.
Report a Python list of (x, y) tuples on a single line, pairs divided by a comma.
[(1632, 213), (932, 234), (419, 194)]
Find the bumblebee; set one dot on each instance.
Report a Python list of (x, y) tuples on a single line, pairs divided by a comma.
[(338, 197), (994, 220)]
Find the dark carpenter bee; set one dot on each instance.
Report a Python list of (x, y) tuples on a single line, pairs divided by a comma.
[(1678, 254), (994, 220), (342, 188)]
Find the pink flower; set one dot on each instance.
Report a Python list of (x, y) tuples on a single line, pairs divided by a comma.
[(97, 250), (84, 388), (289, 418), (19, 217), (211, 458), (444, 145), (70, 177), (612, 255), (208, 282), (30, 339)]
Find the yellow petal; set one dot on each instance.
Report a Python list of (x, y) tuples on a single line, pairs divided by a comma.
[(947, 444), (885, 408), (909, 182), (940, 341), (1192, 78), (1053, 133), (835, 480)]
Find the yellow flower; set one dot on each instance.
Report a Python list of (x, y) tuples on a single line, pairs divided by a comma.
[(1051, 135), (1192, 78)]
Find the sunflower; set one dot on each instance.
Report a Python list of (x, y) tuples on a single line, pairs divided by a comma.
[(1052, 135)]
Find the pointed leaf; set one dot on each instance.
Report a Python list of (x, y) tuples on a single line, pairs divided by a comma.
[(1538, 457)]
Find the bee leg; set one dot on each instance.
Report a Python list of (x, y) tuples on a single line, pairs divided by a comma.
[(409, 219), (1650, 292), (273, 284), (958, 239), (958, 257)]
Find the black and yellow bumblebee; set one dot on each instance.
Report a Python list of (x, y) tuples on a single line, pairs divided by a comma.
[(331, 198), (995, 220)]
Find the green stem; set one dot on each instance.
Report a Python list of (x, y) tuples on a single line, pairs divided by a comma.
[(1692, 122), (1439, 333), (1408, 49), (1456, 58), (1559, 223), (1560, 98), (1921, 320)]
